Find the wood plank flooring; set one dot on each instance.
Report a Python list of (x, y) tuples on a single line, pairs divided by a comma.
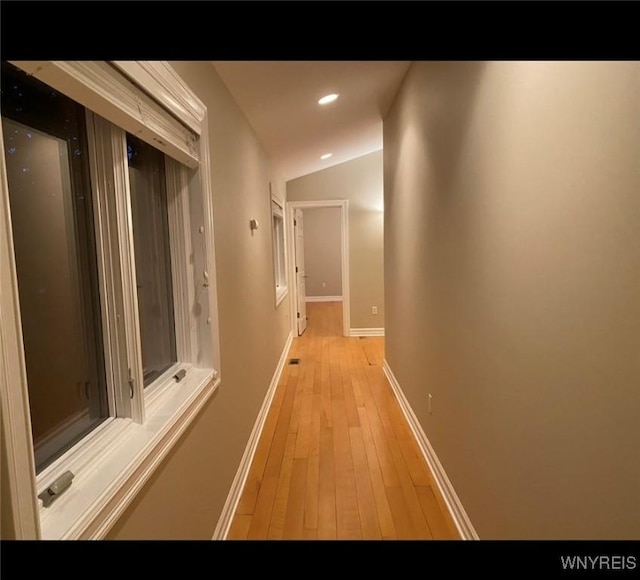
[(336, 458)]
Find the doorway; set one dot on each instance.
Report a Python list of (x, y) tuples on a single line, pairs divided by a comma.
[(297, 270)]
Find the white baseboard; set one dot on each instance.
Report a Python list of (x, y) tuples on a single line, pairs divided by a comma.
[(458, 514), (226, 518), (366, 332), (323, 298)]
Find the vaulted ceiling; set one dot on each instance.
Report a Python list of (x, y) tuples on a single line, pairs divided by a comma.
[(280, 100)]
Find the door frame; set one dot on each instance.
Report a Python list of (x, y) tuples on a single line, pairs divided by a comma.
[(343, 204)]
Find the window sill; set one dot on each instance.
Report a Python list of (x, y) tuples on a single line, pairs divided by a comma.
[(118, 459)]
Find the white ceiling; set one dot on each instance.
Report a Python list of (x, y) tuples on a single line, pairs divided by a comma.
[(280, 98)]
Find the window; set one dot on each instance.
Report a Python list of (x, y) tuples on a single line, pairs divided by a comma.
[(109, 259), (279, 264), (153, 261), (54, 244)]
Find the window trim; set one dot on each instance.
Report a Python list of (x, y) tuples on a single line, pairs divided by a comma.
[(16, 417), (107, 142), (161, 80), (182, 268), (109, 239), (102, 88), (279, 248), (117, 476)]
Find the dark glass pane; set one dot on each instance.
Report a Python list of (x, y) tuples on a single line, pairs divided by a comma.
[(53, 236), (153, 258)]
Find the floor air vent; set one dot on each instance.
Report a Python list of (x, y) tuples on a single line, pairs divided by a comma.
[(294, 361)]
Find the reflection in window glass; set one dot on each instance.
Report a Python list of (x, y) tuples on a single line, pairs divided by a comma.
[(54, 244), (153, 258)]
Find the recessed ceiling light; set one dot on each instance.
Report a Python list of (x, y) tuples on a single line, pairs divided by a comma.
[(327, 99), (326, 156)]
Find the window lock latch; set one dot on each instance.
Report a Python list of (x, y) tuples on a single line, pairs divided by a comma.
[(49, 495)]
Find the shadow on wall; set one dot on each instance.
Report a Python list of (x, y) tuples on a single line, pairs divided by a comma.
[(449, 120)]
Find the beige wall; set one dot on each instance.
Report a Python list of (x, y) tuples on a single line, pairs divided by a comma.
[(323, 251), (360, 182), (185, 496), (512, 255)]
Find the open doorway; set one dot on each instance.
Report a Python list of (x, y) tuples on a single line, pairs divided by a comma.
[(314, 275)]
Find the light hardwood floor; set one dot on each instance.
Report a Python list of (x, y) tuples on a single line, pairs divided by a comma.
[(337, 459)]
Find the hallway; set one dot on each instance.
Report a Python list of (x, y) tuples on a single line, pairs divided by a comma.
[(337, 459)]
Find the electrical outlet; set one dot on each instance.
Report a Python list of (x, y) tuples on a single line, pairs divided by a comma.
[(324, 284), (374, 310), (430, 404)]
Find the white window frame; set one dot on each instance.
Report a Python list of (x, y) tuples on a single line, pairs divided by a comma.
[(279, 248), (113, 462)]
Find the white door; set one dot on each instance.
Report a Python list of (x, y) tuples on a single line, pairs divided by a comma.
[(300, 273)]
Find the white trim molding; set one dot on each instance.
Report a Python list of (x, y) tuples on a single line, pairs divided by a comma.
[(14, 397), (323, 299), (162, 82), (279, 247), (105, 90), (226, 518), (445, 488), (209, 279), (131, 453), (113, 462), (367, 332), (343, 204), (136, 472)]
